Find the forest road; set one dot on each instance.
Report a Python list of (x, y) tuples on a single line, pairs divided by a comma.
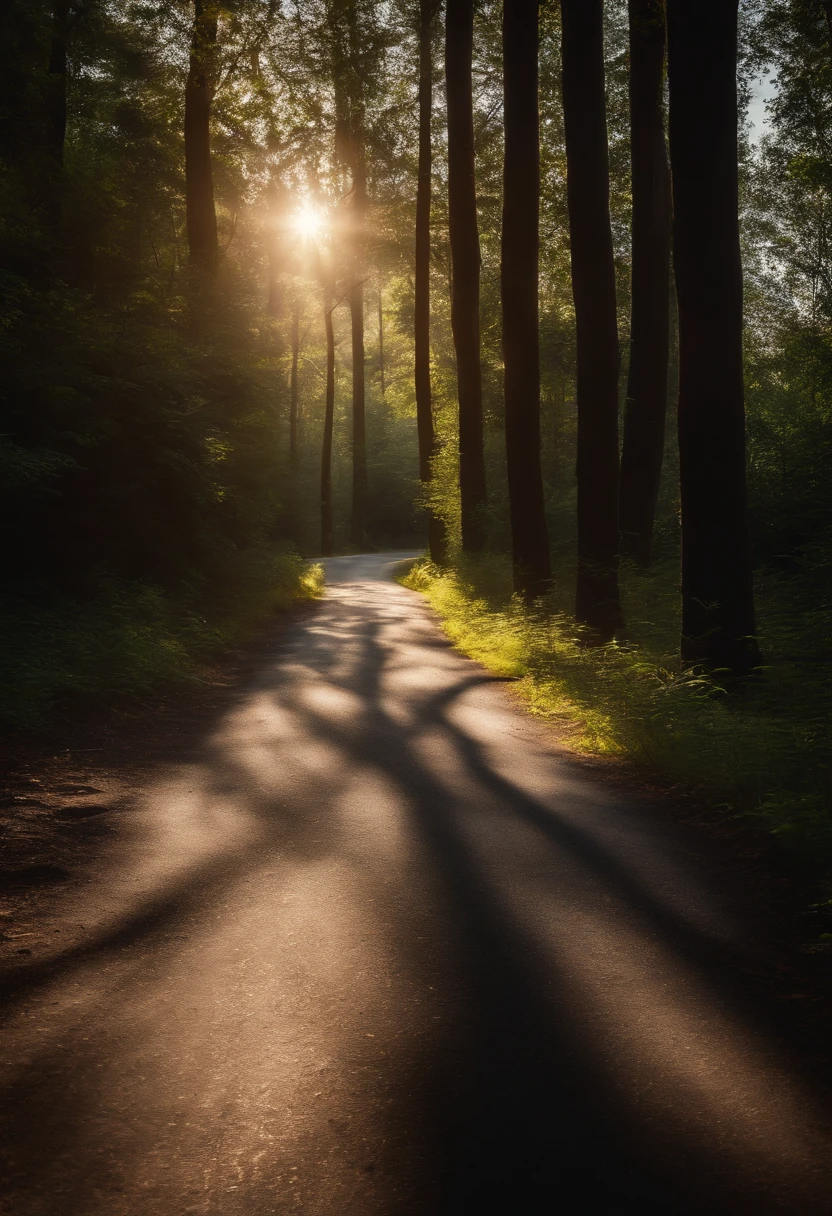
[(378, 947)]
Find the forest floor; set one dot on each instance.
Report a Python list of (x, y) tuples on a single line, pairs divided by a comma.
[(346, 932)]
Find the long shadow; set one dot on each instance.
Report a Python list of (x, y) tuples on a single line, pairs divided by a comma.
[(717, 956), (534, 1126), (516, 1106)]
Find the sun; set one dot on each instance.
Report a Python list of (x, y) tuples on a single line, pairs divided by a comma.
[(307, 222)]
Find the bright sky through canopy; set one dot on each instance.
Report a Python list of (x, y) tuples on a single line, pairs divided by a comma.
[(308, 221)]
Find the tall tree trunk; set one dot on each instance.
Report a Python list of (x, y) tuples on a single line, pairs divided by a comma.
[(465, 255), (56, 108), (644, 416), (437, 540), (519, 290), (593, 288), (55, 105), (359, 425), (293, 386), (200, 215), (717, 585), (327, 526), (381, 367)]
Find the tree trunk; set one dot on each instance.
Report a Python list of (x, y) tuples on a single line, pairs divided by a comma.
[(359, 425), (593, 288), (381, 344), (56, 85), (465, 255), (55, 113), (644, 416), (327, 526), (519, 291), (437, 540), (201, 218), (293, 387), (717, 585)]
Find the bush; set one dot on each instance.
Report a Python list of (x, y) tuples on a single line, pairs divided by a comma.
[(132, 637)]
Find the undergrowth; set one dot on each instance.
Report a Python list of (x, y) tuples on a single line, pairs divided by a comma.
[(761, 749), (131, 637)]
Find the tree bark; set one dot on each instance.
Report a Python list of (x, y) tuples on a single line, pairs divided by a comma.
[(519, 291), (646, 407), (381, 367), (359, 423), (350, 151), (717, 585), (593, 288), (56, 107), (293, 387), (200, 215), (437, 540), (465, 256), (327, 525)]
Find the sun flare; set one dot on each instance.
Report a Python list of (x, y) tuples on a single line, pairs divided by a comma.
[(307, 222)]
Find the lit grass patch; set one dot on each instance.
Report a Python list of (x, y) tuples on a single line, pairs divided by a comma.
[(763, 750)]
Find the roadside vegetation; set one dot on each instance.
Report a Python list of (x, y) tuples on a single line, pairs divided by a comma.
[(759, 747), (132, 639)]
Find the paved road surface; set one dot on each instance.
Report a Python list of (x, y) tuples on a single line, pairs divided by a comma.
[(379, 949)]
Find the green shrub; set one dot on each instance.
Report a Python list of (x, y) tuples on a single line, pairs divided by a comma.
[(132, 637)]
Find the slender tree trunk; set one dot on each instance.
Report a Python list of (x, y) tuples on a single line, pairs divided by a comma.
[(644, 417), (358, 212), (293, 387), (593, 288), (437, 540), (201, 218), (519, 289), (465, 255), (381, 344), (327, 525), (56, 109), (55, 105), (359, 425), (717, 585)]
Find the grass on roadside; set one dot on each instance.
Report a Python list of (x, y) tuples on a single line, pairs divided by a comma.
[(762, 751), (131, 638)]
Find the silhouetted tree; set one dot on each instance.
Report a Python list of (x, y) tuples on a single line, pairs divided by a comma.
[(717, 588), (327, 524), (465, 257), (56, 82), (519, 291), (293, 386), (421, 323), (348, 63), (644, 415), (199, 180), (593, 288)]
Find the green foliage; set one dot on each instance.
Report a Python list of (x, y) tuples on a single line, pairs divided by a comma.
[(764, 751), (132, 638)]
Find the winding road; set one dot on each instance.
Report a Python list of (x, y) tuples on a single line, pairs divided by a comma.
[(381, 948)]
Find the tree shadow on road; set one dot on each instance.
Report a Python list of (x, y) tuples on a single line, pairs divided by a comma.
[(517, 1111)]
